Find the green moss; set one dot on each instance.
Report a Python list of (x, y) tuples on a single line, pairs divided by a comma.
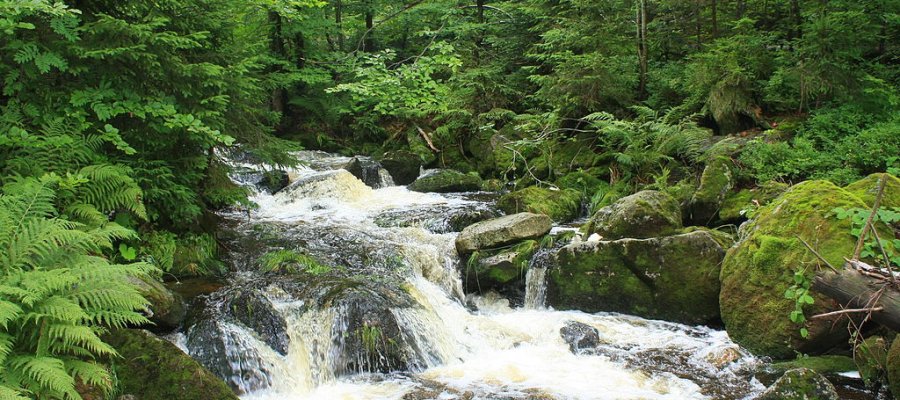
[(870, 356), (715, 183), (154, 369), (893, 368), (645, 214), (492, 269), (743, 204), (586, 182), (867, 188), (446, 181), (757, 271), (800, 384), (822, 364), (673, 278), (559, 205)]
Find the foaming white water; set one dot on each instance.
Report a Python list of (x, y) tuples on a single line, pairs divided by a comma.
[(494, 352)]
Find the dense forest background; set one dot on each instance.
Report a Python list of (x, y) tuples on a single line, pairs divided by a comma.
[(113, 116)]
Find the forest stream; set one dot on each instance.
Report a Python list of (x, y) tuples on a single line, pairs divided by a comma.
[(394, 302)]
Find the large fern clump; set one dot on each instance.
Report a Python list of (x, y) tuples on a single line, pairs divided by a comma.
[(58, 293)]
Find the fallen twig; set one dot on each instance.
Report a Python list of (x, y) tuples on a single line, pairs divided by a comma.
[(847, 311)]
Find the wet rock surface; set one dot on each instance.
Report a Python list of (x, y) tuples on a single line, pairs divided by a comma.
[(502, 231), (580, 336), (800, 384)]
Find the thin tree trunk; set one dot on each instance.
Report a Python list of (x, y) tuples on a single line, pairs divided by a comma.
[(796, 31), (698, 21), (715, 22), (338, 22), (642, 47), (276, 46), (369, 43)]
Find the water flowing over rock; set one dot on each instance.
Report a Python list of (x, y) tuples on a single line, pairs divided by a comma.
[(645, 214), (375, 307), (502, 231)]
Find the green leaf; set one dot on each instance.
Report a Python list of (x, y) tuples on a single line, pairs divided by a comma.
[(127, 252)]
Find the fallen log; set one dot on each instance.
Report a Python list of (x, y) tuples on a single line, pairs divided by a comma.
[(854, 289)]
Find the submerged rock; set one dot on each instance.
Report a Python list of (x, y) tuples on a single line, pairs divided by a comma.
[(800, 384), (760, 268), (369, 171), (579, 336), (154, 369), (446, 181), (675, 278), (274, 180), (501, 231), (559, 205), (645, 214), (403, 166)]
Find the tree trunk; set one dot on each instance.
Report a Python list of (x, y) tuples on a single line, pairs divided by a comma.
[(369, 43), (338, 22), (853, 289), (641, 23), (276, 46), (796, 31), (714, 21), (698, 22)]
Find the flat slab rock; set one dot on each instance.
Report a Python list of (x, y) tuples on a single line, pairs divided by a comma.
[(501, 231)]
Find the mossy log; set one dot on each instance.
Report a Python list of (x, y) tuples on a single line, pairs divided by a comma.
[(862, 291)]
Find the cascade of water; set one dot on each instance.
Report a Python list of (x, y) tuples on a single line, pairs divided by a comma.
[(395, 303)]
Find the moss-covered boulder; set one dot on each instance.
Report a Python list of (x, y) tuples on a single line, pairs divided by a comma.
[(741, 205), (446, 181), (494, 270), (560, 205), (587, 182), (716, 182), (870, 356), (760, 268), (502, 231), (867, 188), (675, 278), (893, 368), (403, 166), (645, 214), (166, 308), (800, 384), (829, 365), (151, 368)]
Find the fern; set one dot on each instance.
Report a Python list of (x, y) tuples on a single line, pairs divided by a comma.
[(57, 296)]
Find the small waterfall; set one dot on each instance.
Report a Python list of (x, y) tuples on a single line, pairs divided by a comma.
[(535, 287), (386, 319)]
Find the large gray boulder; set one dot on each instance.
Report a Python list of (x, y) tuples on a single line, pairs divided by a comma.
[(502, 231), (645, 214)]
